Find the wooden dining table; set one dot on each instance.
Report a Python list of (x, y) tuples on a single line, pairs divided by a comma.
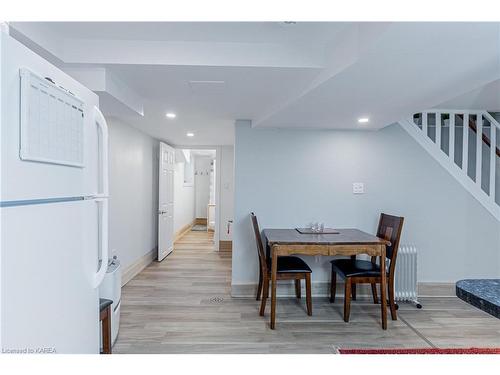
[(344, 242)]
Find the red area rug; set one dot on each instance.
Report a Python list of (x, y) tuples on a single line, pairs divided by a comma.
[(423, 351)]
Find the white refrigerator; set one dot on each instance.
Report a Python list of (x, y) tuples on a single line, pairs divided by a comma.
[(54, 208)]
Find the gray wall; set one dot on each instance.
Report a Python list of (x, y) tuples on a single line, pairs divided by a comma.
[(133, 175), (290, 177), (226, 171)]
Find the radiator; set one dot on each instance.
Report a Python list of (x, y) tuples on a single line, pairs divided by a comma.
[(405, 280)]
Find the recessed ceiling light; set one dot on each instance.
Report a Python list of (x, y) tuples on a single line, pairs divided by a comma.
[(190, 134), (171, 115), (363, 120)]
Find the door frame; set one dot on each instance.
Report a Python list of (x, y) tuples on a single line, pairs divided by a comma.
[(217, 186)]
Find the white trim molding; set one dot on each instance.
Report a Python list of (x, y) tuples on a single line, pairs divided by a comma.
[(322, 289), (135, 268)]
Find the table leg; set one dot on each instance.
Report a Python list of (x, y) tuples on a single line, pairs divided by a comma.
[(105, 317), (383, 287), (274, 270)]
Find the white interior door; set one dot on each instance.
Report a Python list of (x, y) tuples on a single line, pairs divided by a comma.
[(166, 201)]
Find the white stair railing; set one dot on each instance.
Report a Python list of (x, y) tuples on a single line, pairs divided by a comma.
[(465, 143)]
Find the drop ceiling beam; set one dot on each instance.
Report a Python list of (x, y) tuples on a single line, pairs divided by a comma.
[(103, 82), (193, 54)]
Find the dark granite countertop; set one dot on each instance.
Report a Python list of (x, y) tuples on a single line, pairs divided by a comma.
[(482, 293)]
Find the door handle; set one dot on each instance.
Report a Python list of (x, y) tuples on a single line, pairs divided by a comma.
[(103, 126), (160, 212)]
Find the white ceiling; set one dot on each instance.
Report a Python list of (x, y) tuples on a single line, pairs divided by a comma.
[(239, 32), (487, 96), (408, 67), (303, 75), (209, 110), (204, 152)]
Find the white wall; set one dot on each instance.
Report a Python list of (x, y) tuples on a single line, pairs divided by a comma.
[(226, 169), (133, 183), (202, 184), (290, 177), (183, 199)]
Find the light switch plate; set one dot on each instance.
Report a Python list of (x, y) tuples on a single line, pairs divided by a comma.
[(358, 188)]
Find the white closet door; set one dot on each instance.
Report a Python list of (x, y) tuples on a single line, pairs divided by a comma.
[(166, 201)]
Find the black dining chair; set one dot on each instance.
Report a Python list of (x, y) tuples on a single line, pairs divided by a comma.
[(289, 268), (355, 271)]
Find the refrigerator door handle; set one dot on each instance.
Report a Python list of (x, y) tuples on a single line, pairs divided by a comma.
[(103, 243), (103, 127), (101, 197)]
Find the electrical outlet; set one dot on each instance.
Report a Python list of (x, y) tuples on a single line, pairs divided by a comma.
[(358, 188)]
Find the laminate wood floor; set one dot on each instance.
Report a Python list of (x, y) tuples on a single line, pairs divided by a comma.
[(183, 305)]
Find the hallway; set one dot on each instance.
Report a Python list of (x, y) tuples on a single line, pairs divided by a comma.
[(172, 303), (183, 305)]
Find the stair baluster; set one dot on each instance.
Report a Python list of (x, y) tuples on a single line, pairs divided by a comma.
[(483, 186)]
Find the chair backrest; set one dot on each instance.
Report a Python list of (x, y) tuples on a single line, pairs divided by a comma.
[(260, 245), (390, 228)]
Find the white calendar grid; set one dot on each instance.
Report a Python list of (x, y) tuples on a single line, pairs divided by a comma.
[(52, 123)]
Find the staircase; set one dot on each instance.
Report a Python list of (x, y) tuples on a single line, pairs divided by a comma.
[(466, 144)]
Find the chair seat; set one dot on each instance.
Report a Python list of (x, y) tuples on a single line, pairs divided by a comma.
[(290, 264), (103, 303), (349, 268)]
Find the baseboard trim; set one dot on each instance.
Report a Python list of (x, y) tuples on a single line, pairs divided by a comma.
[(436, 290), (226, 246), (322, 289), (181, 232), (135, 268)]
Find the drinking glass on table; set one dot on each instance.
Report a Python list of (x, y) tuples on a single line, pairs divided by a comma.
[(313, 225)]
